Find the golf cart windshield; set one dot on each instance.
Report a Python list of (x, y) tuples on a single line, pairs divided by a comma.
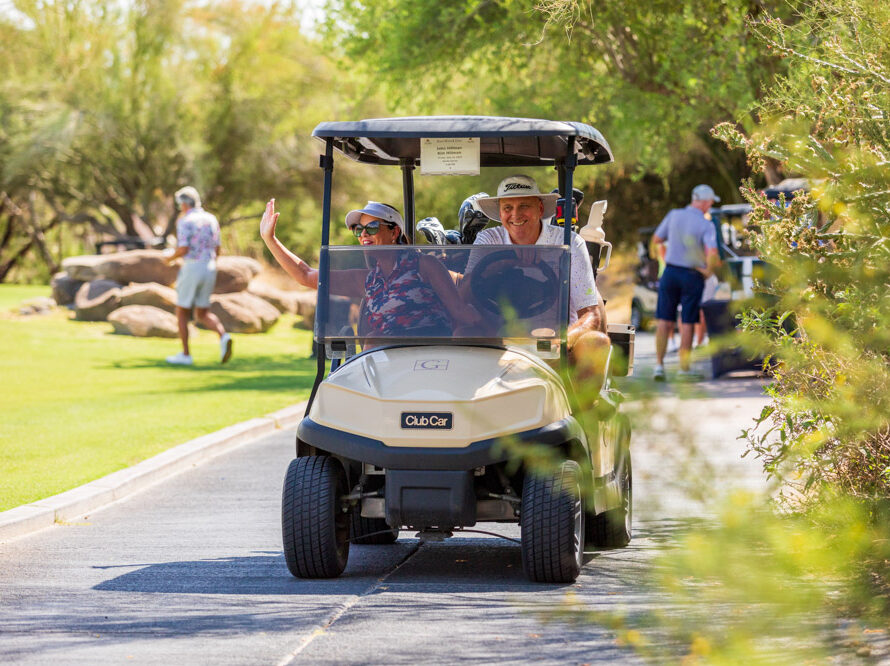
[(481, 294)]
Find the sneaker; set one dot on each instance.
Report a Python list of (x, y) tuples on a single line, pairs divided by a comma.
[(225, 348), (689, 376), (180, 359), (658, 373)]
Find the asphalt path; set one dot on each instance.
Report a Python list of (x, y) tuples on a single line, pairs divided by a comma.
[(191, 571)]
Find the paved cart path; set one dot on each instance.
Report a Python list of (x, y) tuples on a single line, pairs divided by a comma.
[(191, 571)]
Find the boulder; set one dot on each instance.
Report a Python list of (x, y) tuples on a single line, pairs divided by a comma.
[(234, 273), (96, 299), (283, 300), (138, 266), (123, 267), (83, 268), (144, 321), (306, 301), (36, 306), (64, 288), (149, 293), (243, 312)]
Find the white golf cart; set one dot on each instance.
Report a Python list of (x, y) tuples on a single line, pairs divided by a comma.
[(435, 429)]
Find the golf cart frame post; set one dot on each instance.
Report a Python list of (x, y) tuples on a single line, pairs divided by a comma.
[(517, 142)]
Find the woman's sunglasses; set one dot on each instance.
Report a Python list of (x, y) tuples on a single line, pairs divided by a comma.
[(371, 227)]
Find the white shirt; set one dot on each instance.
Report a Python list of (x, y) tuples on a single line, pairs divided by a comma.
[(582, 286)]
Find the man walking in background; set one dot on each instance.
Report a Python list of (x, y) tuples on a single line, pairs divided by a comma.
[(197, 239), (690, 256)]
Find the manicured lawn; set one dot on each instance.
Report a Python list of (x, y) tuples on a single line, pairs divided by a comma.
[(78, 402)]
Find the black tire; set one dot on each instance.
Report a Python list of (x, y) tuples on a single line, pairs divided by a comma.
[(717, 366), (552, 522), (314, 528), (613, 528), (360, 527)]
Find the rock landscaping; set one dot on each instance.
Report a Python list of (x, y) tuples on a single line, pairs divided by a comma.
[(133, 290), (144, 321)]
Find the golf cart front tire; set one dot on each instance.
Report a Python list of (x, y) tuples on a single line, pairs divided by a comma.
[(552, 523), (314, 527)]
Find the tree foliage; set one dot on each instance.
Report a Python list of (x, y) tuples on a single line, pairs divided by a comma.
[(828, 428), (107, 109), (655, 77)]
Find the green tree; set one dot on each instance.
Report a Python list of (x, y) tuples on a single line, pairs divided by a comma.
[(109, 109), (655, 77)]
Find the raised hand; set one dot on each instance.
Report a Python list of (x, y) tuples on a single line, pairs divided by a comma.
[(270, 219)]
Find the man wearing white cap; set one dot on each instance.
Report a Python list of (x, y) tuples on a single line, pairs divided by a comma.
[(690, 256), (520, 207), (197, 239)]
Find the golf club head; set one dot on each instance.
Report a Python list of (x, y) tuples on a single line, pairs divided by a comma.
[(433, 230), (453, 237), (470, 219)]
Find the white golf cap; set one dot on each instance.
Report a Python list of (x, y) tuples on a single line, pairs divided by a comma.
[(703, 193), (516, 186), (188, 194), (379, 210)]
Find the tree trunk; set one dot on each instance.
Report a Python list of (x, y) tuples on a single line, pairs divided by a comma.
[(7, 265), (37, 236)]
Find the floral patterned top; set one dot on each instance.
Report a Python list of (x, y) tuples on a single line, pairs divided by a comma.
[(199, 231), (403, 303)]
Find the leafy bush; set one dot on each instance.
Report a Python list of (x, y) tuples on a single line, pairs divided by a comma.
[(827, 427)]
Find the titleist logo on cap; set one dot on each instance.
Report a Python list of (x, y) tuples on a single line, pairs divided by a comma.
[(516, 186)]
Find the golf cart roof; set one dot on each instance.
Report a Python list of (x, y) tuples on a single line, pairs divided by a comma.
[(735, 209), (520, 142)]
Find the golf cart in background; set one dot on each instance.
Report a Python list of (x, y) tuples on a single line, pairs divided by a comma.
[(742, 268), (432, 430), (645, 294)]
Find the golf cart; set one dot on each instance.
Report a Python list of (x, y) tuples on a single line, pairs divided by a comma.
[(434, 429), (645, 295)]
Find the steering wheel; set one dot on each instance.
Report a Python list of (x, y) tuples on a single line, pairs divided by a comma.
[(529, 289)]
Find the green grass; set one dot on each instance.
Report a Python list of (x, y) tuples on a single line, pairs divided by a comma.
[(78, 402)]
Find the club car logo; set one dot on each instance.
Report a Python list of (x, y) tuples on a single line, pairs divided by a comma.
[(428, 420)]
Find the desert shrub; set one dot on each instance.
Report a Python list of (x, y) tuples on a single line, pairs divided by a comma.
[(827, 425)]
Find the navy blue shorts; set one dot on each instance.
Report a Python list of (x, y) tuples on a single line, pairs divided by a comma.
[(679, 286)]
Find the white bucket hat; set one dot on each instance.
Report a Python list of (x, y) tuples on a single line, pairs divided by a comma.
[(379, 210), (517, 186)]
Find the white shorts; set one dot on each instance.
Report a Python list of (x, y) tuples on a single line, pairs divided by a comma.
[(195, 284)]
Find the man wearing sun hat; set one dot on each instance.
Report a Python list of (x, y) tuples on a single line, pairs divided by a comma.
[(520, 207), (688, 243)]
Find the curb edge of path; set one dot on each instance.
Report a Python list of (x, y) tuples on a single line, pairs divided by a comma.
[(74, 503)]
